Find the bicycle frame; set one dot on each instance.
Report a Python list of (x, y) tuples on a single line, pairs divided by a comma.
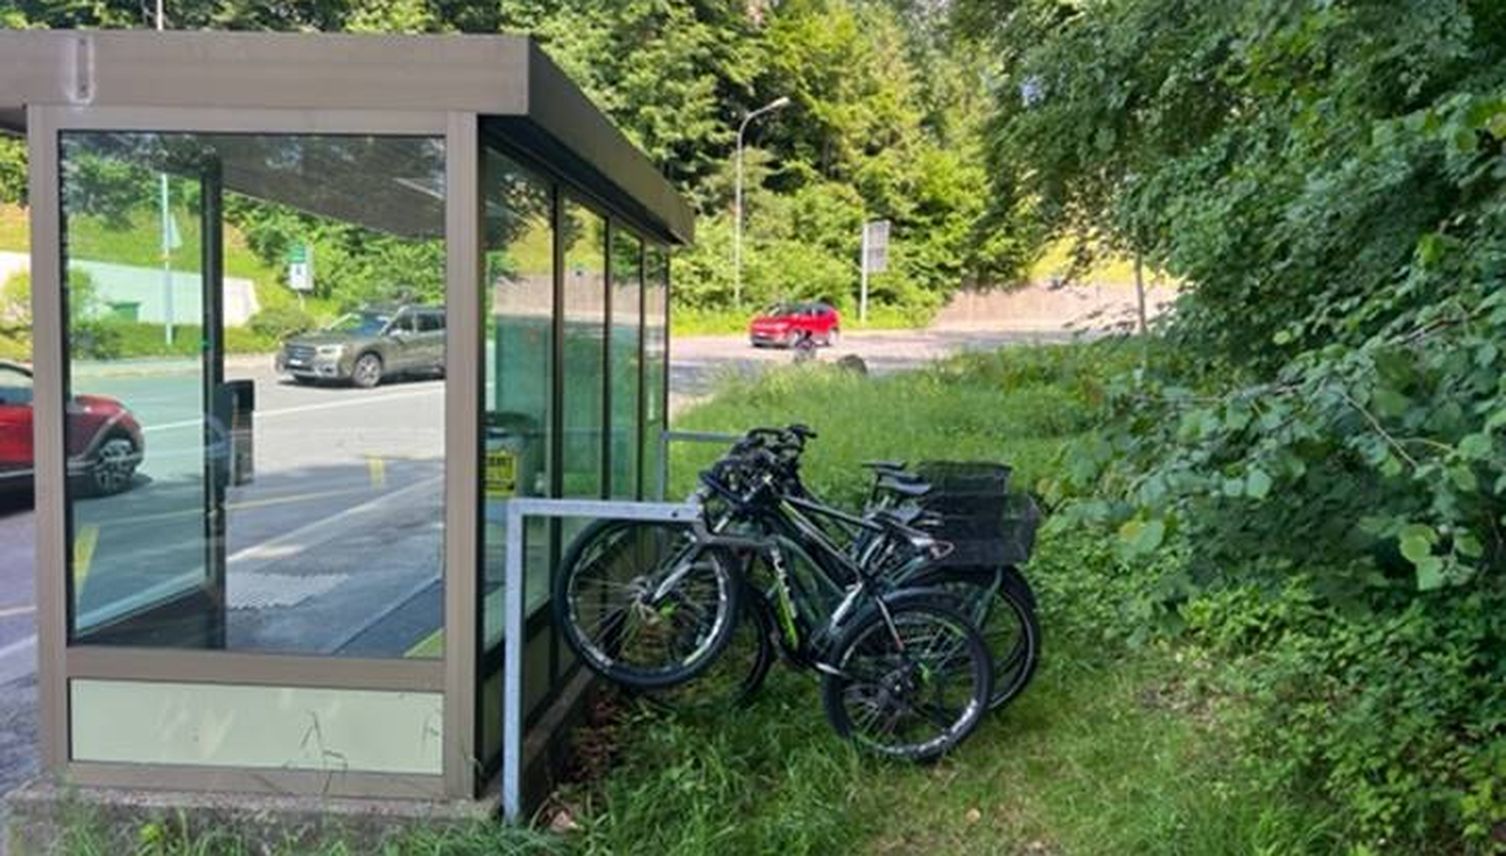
[(800, 600)]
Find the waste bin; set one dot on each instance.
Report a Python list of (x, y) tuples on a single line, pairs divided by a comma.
[(239, 397), (514, 463)]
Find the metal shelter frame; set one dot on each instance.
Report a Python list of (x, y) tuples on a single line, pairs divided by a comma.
[(473, 93)]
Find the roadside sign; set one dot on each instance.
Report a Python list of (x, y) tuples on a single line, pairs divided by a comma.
[(300, 260), (876, 246), (875, 259)]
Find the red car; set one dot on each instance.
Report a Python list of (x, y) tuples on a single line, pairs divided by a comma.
[(785, 324), (104, 440)]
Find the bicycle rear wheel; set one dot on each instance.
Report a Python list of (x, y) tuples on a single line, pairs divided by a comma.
[(643, 603), (1003, 613), (912, 686)]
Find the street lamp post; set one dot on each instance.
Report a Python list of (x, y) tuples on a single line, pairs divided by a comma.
[(737, 225)]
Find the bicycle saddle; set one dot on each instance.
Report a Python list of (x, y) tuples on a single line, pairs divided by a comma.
[(907, 487)]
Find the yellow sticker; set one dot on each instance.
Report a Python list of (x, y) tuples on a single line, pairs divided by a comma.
[(501, 473)]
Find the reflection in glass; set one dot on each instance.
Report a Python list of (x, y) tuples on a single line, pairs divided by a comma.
[(227, 501), (519, 313), (584, 350), (655, 356), (627, 313)]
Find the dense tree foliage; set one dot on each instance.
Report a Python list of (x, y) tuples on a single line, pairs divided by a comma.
[(885, 123), (1317, 450)]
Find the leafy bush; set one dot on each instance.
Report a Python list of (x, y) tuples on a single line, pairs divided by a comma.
[(1310, 472), (278, 323)]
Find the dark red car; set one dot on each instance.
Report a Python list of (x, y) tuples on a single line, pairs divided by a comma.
[(104, 440), (785, 324)]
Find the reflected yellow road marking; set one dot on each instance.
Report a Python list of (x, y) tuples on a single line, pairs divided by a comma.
[(378, 469), (431, 646), (84, 542)]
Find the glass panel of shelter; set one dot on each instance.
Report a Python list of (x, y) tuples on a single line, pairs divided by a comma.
[(324, 536)]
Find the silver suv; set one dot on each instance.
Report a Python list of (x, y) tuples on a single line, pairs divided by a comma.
[(368, 346)]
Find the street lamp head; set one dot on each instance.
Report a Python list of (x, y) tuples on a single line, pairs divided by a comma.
[(777, 103)]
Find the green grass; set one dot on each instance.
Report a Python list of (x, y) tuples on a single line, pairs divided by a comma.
[(86, 834), (1110, 751), (1016, 406), (137, 244)]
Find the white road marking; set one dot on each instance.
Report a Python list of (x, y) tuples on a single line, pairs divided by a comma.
[(18, 659), (18, 645), (304, 408), (275, 547)]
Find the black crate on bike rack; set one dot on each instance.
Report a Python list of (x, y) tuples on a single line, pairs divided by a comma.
[(987, 524), (961, 480)]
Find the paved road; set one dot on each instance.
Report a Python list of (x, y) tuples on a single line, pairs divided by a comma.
[(334, 547), (697, 363)]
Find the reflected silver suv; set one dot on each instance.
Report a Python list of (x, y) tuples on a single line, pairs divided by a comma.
[(368, 346)]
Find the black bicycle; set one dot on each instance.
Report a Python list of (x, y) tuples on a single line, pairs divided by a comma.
[(904, 672), (966, 505)]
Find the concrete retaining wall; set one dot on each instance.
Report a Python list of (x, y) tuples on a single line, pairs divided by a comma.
[(1044, 307), (126, 284)]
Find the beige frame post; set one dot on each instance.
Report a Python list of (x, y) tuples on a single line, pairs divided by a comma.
[(463, 379), (59, 663), (50, 467)]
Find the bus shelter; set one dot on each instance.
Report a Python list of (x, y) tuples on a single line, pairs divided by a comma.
[(255, 571)]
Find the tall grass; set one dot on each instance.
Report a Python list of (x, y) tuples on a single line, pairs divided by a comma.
[(1114, 749), (1111, 750)]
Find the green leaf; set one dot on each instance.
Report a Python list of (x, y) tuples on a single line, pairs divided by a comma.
[(1391, 467), (1234, 487), (1430, 574), (1236, 418), (1142, 536), (1464, 478), (1477, 447), (1417, 542), (1388, 402), (1468, 546), (1257, 484)]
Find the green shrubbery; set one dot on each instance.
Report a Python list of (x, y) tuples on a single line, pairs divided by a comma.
[(1120, 746), (109, 339), (279, 322), (1309, 475)]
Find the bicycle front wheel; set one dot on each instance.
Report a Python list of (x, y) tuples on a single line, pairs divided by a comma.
[(737, 674), (910, 685), (644, 603)]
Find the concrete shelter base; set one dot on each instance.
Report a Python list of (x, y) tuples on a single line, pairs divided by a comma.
[(46, 817)]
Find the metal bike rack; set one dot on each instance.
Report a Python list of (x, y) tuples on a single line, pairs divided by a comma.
[(516, 513), (668, 437)]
